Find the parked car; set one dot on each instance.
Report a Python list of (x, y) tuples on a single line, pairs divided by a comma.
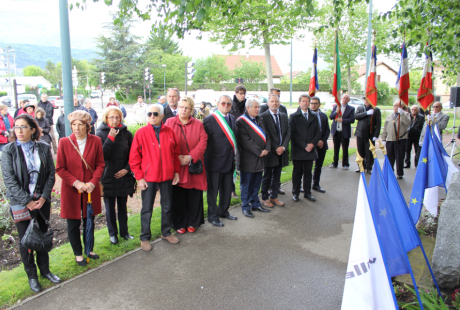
[(32, 98), (262, 99), (448, 105), (53, 100), (6, 100), (96, 94), (205, 95)]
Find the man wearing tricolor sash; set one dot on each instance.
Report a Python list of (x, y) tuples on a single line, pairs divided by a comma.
[(219, 160), (253, 146)]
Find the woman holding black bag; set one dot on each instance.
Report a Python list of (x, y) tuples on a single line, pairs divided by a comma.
[(187, 198), (28, 172)]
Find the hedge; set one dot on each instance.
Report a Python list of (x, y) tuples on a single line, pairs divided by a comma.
[(231, 86)]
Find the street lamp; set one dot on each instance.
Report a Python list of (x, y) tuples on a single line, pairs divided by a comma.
[(164, 78)]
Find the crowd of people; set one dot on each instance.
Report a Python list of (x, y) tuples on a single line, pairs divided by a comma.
[(181, 156)]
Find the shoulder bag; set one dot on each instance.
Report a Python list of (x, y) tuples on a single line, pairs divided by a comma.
[(193, 168), (35, 239), (101, 187)]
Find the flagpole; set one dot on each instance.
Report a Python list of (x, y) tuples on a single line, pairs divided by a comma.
[(369, 45)]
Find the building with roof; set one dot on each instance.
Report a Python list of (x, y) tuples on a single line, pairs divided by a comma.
[(232, 61), (385, 73), (23, 81)]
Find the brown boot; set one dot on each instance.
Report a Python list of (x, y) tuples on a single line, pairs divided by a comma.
[(171, 239), (267, 203), (276, 202), (146, 246), (234, 195)]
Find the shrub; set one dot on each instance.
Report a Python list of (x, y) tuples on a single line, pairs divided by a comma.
[(3, 93)]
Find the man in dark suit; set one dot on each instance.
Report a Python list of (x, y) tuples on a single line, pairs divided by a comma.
[(322, 146), (265, 107), (219, 160), (368, 128), (305, 135), (277, 128), (341, 131), (173, 96), (253, 145), (415, 130)]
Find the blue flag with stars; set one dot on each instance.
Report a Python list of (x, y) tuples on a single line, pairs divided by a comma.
[(384, 216), (429, 174)]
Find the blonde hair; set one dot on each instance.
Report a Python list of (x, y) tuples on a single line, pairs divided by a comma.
[(2, 106), (189, 101), (108, 110)]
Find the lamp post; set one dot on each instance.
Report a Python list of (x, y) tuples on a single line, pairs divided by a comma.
[(164, 78)]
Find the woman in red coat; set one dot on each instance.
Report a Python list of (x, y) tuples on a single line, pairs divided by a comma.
[(187, 198), (6, 125), (78, 180)]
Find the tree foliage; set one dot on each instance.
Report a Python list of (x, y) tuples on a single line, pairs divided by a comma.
[(32, 71), (162, 40), (251, 71), (211, 69), (174, 72)]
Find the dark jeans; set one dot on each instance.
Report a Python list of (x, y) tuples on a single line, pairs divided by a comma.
[(111, 217), (250, 185), (73, 231), (395, 153), (409, 143), (28, 260), (187, 207), (301, 167), (148, 199), (92, 130), (363, 150), (339, 140), (271, 179), (318, 165), (219, 184)]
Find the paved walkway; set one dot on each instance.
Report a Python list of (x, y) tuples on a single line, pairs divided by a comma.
[(291, 258)]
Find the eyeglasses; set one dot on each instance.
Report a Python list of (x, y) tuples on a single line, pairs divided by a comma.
[(436, 106), (241, 93), (314, 103), (114, 117), (226, 103), (21, 127), (149, 114), (184, 108)]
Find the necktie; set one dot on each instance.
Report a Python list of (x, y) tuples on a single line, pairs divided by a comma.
[(175, 113), (306, 116), (227, 120), (278, 127), (319, 118)]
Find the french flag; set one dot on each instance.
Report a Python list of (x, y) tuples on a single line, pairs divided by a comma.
[(371, 89), (425, 93), (403, 82), (314, 75)]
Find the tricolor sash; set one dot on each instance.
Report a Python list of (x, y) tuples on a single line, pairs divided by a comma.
[(254, 126), (225, 128)]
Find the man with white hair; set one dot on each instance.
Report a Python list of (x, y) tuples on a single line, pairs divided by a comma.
[(394, 135), (171, 110), (415, 130), (154, 166), (140, 111), (440, 118)]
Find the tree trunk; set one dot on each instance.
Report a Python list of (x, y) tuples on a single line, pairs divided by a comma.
[(349, 80), (268, 63)]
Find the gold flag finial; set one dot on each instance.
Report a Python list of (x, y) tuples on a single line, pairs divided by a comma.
[(359, 160), (434, 119), (382, 147), (372, 149)]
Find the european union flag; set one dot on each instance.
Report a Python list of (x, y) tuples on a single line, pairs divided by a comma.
[(429, 174), (384, 217), (402, 215)]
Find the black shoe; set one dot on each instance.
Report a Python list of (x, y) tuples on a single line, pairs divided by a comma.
[(358, 170), (93, 256), (217, 223), (127, 237), (248, 213), (82, 263), (407, 166), (231, 217), (52, 277), (281, 192), (35, 285), (260, 209), (318, 189), (333, 166), (114, 239), (301, 189), (295, 198), (369, 171), (399, 177), (310, 197)]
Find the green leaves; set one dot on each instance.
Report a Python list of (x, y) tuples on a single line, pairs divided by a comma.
[(201, 14)]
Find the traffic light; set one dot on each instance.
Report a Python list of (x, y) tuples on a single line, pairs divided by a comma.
[(102, 77), (191, 71), (151, 78), (74, 76), (146, 74)]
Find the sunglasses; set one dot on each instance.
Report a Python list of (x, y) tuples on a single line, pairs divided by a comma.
[(149, 114)]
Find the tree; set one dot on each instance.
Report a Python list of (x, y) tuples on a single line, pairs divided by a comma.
[(162, 40), (300, 78), (211, 69), (32, 71), (174, 70), (251, 71)]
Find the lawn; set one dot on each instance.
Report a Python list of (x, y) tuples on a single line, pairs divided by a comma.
[(14, 285)]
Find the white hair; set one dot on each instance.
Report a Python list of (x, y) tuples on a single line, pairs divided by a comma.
[(161, 109), (224, 96), (250, 102), (397, 101)]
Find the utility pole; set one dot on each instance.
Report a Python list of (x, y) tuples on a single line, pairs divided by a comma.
[(8, 48), (186, 75), (369, 45), (290, 86)]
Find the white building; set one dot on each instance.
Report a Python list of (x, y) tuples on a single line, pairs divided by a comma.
[(384, 74), (23, 81)]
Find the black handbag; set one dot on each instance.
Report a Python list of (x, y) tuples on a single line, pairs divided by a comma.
[(35, 239), (193, 168)]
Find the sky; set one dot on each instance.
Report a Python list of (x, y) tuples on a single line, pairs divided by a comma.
[(37, 22)]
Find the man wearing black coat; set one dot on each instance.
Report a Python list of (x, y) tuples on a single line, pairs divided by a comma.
[(60, 124), (49, 110), (277, 128), (322, 146), (93, 114), (219, 160), (415, 130), (341, 131), (368, 128), (171, 110), (265, 107), (253, 146), (305, 135)]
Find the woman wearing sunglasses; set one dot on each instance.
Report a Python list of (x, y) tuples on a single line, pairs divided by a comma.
[(28, 172)]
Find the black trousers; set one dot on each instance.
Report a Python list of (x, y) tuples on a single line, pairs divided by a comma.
[(73, 231), (302, 167), (409, 143), (319, 165), (111, 217), (92, 131), (219, 183), (395, 152), (148, 199), (187, 207), (272, 179), (363, 150), (28, 260), (339, 140)]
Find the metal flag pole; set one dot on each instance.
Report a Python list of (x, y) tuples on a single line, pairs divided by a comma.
[(369, 45)]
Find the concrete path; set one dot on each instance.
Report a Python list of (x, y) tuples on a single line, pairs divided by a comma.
[(294, 257)]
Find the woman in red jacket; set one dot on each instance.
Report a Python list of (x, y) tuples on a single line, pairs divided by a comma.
[(187, 201), (79, 179), (6, 123)]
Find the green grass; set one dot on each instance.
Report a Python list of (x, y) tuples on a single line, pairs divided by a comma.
[(14, 285)]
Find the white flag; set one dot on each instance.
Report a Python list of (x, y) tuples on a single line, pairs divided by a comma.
[(367, 285)]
